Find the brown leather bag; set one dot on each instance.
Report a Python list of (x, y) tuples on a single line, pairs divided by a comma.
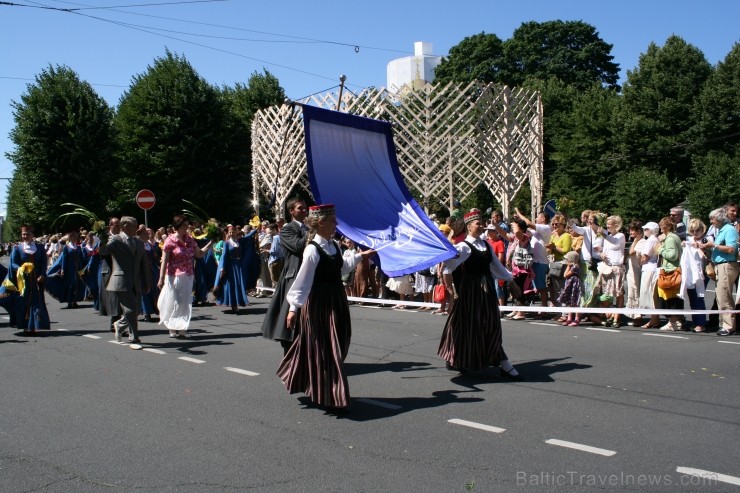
[(669, 280)]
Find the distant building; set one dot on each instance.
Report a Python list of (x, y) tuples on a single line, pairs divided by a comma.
[(414, 70)]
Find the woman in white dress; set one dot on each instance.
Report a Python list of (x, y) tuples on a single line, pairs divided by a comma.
[(649, 275)]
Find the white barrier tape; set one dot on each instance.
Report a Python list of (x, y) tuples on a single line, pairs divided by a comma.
[(630, 312)]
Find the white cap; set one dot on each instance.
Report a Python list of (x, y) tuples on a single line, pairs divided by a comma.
[(653, 226)]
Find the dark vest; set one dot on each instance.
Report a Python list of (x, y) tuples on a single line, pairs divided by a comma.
[(479, 263), (329, 268)]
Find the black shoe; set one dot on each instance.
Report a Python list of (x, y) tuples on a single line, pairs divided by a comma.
[(724, 332), (147, 318), (513, 378)]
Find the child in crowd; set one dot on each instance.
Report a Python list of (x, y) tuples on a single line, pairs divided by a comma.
[(424, 283), (570, 295)]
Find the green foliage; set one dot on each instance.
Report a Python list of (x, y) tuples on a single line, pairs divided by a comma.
[(657, 112), (476, 57), (176, 140), (64, 147), (718, 107), (715, 182), (583, 158), (481, 198), (570, 51), (644, 193)]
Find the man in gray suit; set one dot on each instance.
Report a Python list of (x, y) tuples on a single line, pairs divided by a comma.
[(105, 308), (293, 241), (129, 279)]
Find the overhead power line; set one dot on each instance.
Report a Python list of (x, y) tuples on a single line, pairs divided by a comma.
[(297, 39)]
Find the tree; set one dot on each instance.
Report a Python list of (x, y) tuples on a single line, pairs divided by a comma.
[(243, 102), (64, 147), (173, 126), (717, 108), (715, 182), (584, 164), (642, 193), (657, 116), (476, 57), (571, 51)]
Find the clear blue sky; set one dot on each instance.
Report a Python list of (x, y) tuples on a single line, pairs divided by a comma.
[(308, 44)]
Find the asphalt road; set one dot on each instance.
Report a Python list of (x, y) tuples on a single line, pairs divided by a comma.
[(617, 410)]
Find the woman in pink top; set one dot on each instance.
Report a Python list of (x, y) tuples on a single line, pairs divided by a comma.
[(176, 278)]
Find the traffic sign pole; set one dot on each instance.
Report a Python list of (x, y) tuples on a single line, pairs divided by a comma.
[(145, 199)]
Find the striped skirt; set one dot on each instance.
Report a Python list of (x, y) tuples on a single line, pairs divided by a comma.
[(314, 364), (471, 339)]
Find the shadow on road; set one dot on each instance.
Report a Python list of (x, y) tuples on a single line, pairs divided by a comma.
[(533, 371), (366, 411), (353, 369)]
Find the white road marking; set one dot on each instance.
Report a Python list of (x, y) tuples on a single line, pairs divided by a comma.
[(241, 372), (62, 330), (6, 318), (728, 342), (155, 351), (714, 476), (373, 402), (543, 323), (90, 336), (191, 360), (479, 426), (583, 448), (601, 330), (665, 335), (119, 343)]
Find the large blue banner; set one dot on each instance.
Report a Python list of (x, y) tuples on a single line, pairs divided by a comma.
[(352, 164)]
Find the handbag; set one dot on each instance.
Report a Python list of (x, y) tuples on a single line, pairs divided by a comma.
[(710, 272), (604, 269), (556, 269), (669, 280), (522, 257), (439, 293)]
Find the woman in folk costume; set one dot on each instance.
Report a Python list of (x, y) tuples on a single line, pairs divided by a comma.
[(149, 300), (26, 276), (204, 270), (471, 339), (230, 289), (250, 259), (314, 364), (64, 281), (90, 272)]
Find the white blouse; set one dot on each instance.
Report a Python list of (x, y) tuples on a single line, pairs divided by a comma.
[(298, 293), (648, 249), (591, 242), (463, 249), (614, 248)]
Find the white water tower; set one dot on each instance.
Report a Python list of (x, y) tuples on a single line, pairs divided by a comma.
[(416, 70)]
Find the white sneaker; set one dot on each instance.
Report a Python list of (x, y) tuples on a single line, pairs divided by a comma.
[(117, 330)]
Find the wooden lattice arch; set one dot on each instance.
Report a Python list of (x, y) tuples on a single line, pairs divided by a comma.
[(449, 139)]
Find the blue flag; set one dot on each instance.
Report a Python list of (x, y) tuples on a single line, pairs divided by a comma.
[(352, 164)]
